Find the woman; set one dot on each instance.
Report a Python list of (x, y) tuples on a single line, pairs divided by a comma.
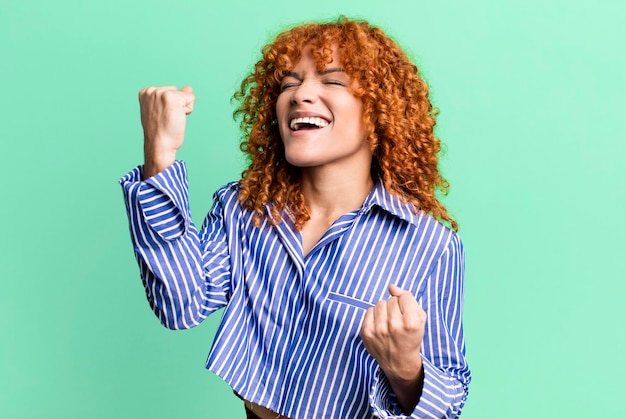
[(342, 286)]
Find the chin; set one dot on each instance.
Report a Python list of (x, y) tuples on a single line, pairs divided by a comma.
[(299, 162), (302, 156), (302, 161)]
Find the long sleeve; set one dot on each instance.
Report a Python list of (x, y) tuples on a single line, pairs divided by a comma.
[(186, 274), (446, 373)]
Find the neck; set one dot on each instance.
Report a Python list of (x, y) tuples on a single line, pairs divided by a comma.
[(330, 193)]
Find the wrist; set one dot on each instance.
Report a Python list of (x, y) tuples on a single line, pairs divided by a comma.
[(409, 371), (156, 164)]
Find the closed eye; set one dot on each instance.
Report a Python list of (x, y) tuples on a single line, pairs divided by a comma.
[(286, 86)]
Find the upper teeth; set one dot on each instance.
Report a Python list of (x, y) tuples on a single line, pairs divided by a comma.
[(320, 122)]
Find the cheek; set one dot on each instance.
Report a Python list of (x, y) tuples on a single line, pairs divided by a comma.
[(282, 104), (280, 115), (357, 117)]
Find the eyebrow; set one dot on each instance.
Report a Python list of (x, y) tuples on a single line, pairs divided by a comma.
[(319, 73)]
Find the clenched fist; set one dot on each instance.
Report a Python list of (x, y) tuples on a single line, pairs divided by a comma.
[(164, 112), (392, 332)]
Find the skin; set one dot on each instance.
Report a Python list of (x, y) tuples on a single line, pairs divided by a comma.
[(335, 165)]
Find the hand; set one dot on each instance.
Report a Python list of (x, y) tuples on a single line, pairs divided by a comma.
[(163, 117), (392, 332)]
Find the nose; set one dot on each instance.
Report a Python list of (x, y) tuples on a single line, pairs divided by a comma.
[(305, 92)]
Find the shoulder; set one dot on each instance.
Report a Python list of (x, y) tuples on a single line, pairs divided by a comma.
[(420, 222), (435, 235), (431, 240), (231, 189), (227, 197)]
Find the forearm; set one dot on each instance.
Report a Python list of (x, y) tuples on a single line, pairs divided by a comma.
[(408, 390)]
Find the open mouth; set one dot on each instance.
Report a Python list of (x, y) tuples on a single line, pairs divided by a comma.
[(307, 123)]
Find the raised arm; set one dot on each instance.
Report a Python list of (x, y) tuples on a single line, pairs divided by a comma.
[(186, 273)]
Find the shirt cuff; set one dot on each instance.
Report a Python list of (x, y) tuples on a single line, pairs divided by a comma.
[(383, 401), (433, 402), (160, 201)]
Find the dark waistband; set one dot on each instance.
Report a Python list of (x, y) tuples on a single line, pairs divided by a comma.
[(250, 414)]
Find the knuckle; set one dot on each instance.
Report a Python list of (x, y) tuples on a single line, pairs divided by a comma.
[(365, 333), (412, 325), (167, 95), (144, 92), (421, 315), (416, 324)]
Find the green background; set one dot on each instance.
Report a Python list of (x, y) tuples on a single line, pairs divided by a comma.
[(531, 97)]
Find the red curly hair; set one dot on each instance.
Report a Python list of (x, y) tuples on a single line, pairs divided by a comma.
[(397, 112)]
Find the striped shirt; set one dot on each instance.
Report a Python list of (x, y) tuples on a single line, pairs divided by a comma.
[(289, 337)]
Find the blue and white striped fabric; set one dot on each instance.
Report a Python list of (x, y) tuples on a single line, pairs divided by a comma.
[(289, 337)]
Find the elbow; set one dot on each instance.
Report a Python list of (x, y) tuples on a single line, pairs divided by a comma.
[(178, 319)]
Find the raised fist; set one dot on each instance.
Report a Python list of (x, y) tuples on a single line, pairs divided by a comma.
[(164, 112)]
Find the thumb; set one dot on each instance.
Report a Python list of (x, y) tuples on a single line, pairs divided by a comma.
[(190, 99), (395, 290)]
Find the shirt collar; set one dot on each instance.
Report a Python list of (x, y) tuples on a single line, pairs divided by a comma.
[(382, 198)]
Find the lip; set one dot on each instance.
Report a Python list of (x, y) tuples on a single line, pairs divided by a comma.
[(305, 114), (302, 114)]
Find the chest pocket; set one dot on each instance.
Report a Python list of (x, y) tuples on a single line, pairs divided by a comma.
[(351, 301)]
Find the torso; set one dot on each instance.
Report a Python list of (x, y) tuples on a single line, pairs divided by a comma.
[(318, 302)]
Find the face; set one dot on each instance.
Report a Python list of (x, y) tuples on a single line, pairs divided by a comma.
[(320, 120)]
